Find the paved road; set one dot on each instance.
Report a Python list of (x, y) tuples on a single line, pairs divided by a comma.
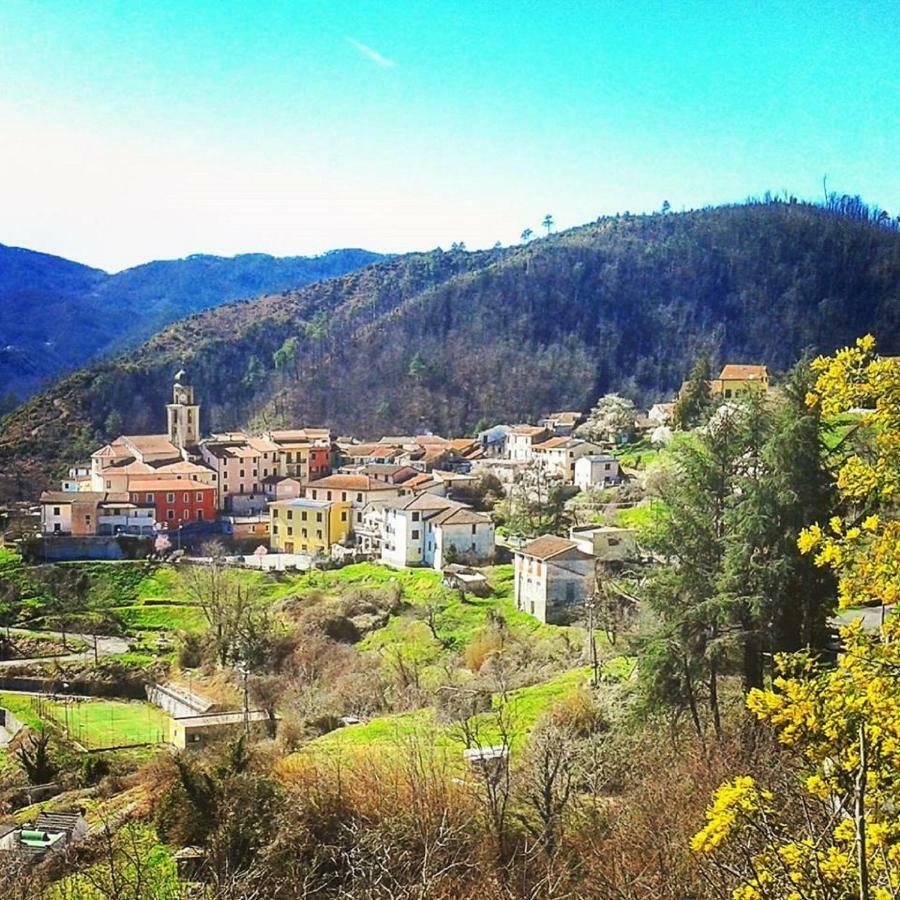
[(106, 646), (870, 615)]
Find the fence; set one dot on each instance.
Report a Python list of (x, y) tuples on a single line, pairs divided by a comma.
[(104, 724)]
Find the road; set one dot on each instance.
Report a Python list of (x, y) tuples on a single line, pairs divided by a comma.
[(870, 615), (106, 646)]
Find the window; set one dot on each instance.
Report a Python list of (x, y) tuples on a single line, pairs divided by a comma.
[(304, 532), (303, 515), (328, 495), (344, 515), (473, 529), (473, 546), (290, 531), (199, 496), (186, 498), (255, 472), (318, 517), (170, 514), (55, 510), (199, 515), (149, 498), (274, 529), (319, 533), (108, 485), (344, 496), (170, 498), (290, 514), (415, 516), (359, 498), (415, 534)]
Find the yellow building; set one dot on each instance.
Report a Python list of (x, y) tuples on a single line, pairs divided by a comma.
[(309, 526), (739, 380)]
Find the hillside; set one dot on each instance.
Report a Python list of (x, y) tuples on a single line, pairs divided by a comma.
[(445, 340), (56, 315)]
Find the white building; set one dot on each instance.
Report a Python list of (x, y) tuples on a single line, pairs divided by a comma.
[(597, 471), (429, 530), (560, 455), (520, 441), (607, 543), (552, 578)]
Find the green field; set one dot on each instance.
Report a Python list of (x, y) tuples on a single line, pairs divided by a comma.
[(161, 617), (525, 707), (110, 723), (22, 707)]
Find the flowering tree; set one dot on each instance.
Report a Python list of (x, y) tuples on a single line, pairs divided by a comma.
[(612, 419), (837, 832)]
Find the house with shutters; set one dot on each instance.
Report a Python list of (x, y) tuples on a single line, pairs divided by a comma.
[(430, 530), (561, 454), (304, 525), (552, 577)]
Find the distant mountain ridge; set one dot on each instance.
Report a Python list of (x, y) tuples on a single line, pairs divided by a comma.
[(57, 315), (447, 340)]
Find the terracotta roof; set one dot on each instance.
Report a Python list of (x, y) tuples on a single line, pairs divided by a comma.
[(566, 417), (350, 483), (533, 430), (170, 484), (360, 450), (460, 516), (182, 466), (129, 467), (427, 439), (553, 443), (277, 479), (736, 372), (548, 546), (63, 497), (423, 502), (418, 480), (149, 443), (261, 444)]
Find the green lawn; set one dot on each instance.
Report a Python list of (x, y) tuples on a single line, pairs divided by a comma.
[(9, 558), (162, 617), (20, 705), (111, 723), (525, 706)]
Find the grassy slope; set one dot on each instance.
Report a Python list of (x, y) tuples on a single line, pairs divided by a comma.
[(112, 723)]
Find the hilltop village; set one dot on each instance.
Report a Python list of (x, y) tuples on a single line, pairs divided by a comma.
[(298, 498)]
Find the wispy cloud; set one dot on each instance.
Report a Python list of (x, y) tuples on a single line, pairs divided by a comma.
[(374, 55)]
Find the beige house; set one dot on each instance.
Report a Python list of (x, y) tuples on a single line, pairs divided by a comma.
[(596, 471), (563, 423), (521, 439), (739, 380), (241, 464), (552, 578), (560, 454)]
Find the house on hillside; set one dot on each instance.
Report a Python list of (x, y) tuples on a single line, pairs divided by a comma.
[(305, 453), (597, 470), (362, 492), (177, 502), (552, 578), (429, 530), (606, 543), (493, 442), (281, 487), (91, 513), (560, 455), (521, 439), (562, 424), (740, 380), (304, 525), (241, 464)]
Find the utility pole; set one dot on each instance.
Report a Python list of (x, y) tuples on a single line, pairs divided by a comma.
[(243, 670)]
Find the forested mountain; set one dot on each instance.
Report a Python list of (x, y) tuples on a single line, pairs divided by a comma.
[(446, 340), (56, 315)]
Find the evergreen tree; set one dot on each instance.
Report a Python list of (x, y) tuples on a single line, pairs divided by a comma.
[(695, 400)]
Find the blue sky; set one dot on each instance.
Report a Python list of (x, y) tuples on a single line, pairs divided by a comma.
[(140, 130)]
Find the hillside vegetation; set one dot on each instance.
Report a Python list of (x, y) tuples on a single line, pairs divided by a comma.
[(447, 340), (56, 315)]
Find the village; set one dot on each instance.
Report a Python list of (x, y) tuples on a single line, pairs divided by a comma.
[(298, 498)]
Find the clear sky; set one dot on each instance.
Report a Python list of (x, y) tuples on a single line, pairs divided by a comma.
[(140, 129)]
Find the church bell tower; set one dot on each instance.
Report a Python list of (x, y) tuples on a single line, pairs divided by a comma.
[(183, 414)]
